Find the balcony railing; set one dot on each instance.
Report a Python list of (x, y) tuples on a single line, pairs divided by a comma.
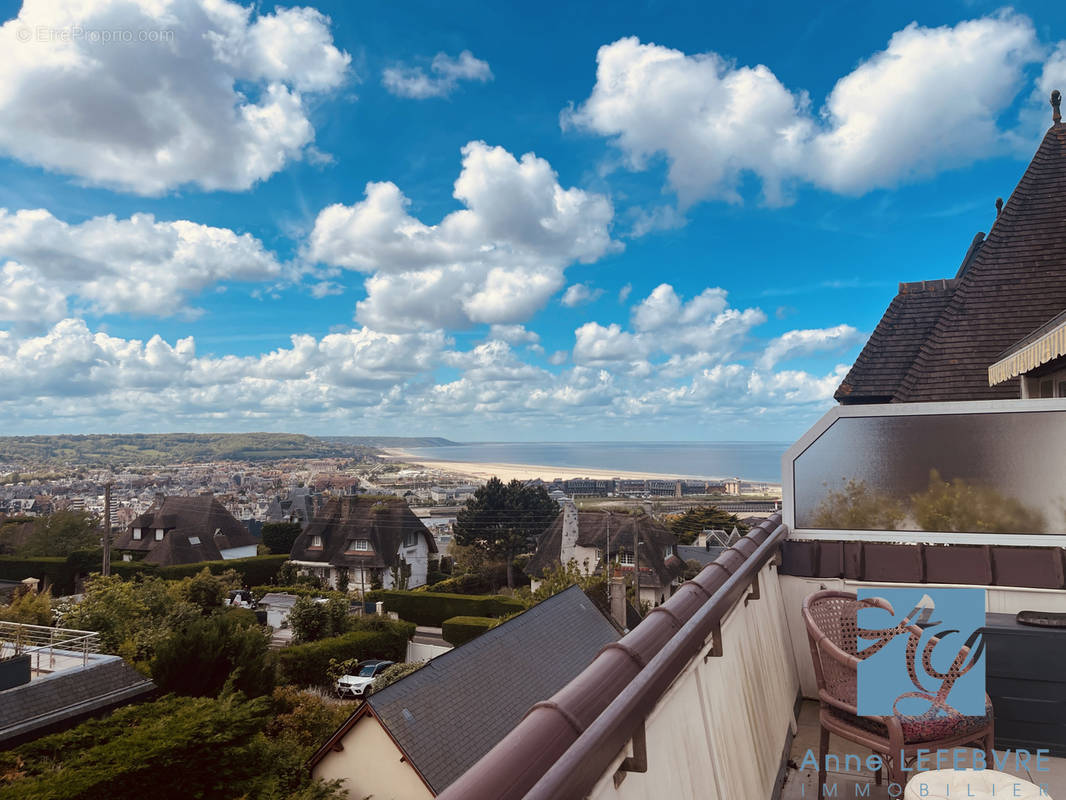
[(49, 648), (707, 679)]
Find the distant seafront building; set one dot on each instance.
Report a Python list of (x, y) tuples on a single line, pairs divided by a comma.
[(997, 329)]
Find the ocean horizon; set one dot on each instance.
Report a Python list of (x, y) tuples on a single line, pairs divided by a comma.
[(752, 461)]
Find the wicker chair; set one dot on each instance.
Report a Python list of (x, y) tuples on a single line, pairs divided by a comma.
[(832, 628)]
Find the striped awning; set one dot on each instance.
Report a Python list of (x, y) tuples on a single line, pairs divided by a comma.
[(1029, 355)]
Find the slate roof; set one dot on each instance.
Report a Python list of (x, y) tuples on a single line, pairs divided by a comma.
[(68, 694), (381, 520), (593, 528), (894, 343), (1012, 284), (448, 714), (702, 555), (185, 520)]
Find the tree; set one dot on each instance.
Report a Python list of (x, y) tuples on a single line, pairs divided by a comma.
[(503, 519), (280, 536), (312, 620), (687, 526), (60, 534), (206, 655), (29, 608)]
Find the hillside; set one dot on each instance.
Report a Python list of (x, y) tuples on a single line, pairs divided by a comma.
[(168, 448), (389, 441)]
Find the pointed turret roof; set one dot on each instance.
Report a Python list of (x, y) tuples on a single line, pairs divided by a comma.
[(938, 338)]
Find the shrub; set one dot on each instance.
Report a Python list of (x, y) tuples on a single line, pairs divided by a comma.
[(395, 673), (460, 630), (470, 583), (308, 664), (424, 608), (312, 620), (280, 536), (254, 571), (29, 608), (208, 654)]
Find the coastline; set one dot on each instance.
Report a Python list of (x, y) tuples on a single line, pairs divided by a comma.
[(505, 471)]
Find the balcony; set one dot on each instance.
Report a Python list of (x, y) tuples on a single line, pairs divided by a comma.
[(712, 696)]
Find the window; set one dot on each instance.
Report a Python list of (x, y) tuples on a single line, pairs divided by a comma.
[(159, 534), (194, 540), (316, 541), (136, 534), (626, 559), (359, 544), (668, 551), (410, 539)]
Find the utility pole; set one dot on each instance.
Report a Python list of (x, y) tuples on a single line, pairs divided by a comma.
[(606, 560), (636, 565), (105, 568)]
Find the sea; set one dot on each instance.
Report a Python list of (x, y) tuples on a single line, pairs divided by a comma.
[(752, 461)]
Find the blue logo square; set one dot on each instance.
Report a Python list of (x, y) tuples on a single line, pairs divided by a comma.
[(936, 623)]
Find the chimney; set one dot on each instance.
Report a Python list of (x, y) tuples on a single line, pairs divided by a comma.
[(568, 545), (618, 600)]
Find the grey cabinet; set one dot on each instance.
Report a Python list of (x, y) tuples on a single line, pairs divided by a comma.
[(1026, 680)]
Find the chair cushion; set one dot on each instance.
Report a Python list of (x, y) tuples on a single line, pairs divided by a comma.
[(932, 726), (927, 727)]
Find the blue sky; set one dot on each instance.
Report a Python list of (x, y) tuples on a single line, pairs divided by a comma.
[(487, 222)]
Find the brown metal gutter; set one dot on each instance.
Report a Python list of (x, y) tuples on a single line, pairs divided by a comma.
[(565, 745)]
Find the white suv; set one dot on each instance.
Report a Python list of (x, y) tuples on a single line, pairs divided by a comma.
[(358, 685)]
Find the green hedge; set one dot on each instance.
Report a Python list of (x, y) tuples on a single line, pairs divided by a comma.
[(254, 571), (61, 573), (424, 608), (57, 572), (460, 630), (306, 664), (299, 591)]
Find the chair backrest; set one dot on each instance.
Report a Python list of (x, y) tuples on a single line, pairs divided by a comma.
[(831, 618)]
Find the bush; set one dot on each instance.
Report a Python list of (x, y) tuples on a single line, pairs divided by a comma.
[(460, 630), (312, 620), (395, 673), (209, 654), (424, 608), (308, 664), (254, 571), (470, 583), (54, 572), (280, 536), (300, 590)]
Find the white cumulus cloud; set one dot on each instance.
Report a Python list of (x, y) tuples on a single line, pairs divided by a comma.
[(138, 266), (930, 100), (807, 342), (447, 72), (203, 92), (496, 261)]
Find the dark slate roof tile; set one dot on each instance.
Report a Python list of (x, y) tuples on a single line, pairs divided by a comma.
[(465, 701)]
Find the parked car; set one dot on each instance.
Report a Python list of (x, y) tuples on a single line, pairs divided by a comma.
[(358, 685), (241, 598)]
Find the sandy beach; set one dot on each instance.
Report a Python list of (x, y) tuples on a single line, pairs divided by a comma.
[(522, 472)]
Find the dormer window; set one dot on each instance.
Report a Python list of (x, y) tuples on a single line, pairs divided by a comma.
[(159, 534), (668, 551), (136, 534), (626, 559), (316, 542), (410, 539), (359, 544)]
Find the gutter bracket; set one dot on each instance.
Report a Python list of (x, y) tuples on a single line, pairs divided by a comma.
[(716, 643), (638, 762), (754, 595)]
